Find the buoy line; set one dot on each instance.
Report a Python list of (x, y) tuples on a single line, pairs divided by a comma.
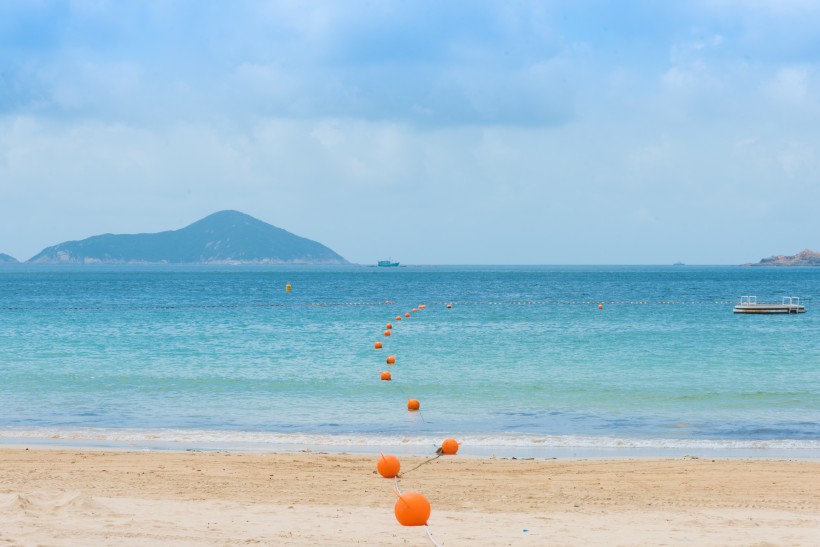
[(593, 302), (191, 306), (387, 303), (411, 509)]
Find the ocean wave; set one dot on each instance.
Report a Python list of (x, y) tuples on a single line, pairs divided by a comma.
[(238, 439)]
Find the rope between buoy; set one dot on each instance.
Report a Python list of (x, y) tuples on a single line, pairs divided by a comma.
[(430, 535), (419, 465)]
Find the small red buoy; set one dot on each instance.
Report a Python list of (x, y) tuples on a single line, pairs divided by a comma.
[(377, 345), (398, 318), (389, 326), (449, 447), (387, 333), (407, 315), (386, 376), (600, 306), (414, 310), (412, 509), (413, 404), (391, 359), (388, 466), (422, 306)]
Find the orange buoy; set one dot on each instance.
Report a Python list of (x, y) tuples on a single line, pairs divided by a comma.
[(412, 509), (388, 466), (387, 333), (422, 306), (389, 326), (386, 376), (407, 315), (600, 306), (377, 345), (414, 310), (413, 404), (449, 447), (398, 318), (391, 359)]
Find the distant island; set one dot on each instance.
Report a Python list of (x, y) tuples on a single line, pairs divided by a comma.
[(226, 237), (6, 259), (803, 258)]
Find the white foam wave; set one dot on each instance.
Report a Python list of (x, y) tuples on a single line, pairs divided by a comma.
[(231, 439)]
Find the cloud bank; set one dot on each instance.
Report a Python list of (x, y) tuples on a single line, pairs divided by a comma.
[(468, 132)]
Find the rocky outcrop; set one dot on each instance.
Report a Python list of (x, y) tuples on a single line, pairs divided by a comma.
[(803, 258)]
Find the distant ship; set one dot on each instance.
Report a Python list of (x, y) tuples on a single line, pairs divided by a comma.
[(679, 264), (387, 264)]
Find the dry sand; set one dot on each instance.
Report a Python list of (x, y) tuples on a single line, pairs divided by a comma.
[(87, 497)]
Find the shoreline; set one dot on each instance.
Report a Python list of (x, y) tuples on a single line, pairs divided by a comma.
[(482, 446), (71, 496)]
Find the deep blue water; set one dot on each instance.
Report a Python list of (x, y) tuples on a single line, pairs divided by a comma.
[(524, 357)]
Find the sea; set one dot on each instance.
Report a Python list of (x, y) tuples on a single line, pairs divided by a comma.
[(512, 361)]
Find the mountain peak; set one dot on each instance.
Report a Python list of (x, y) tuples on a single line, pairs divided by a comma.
[(229, 214)]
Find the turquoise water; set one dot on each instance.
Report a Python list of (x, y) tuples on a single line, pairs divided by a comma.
[(224, 357)]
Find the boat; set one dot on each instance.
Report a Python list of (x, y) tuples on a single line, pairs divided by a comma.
[(679, 264), (387, 263), (789, 304)]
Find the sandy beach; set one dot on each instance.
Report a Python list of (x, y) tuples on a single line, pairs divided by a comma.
[(89, 497)]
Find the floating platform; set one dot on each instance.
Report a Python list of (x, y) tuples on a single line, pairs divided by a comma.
[(789, 304)]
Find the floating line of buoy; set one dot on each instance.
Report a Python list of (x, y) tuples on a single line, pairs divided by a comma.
[(411, 508), (449, 305), (192, 306)]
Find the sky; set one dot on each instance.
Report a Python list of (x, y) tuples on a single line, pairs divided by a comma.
[(458, 132)]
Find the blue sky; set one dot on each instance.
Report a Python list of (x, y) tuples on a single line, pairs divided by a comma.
[(433, 132)]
